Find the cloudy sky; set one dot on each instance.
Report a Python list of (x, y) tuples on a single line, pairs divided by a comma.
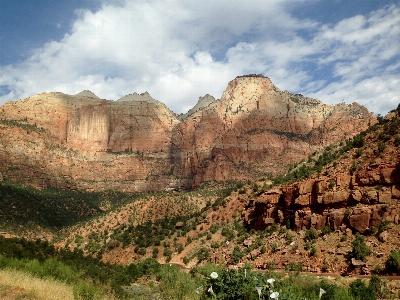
[(178, 50)]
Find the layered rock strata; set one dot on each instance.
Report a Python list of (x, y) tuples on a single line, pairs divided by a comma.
[(138, 144), (83, 142), (256, 129), (360, 201)]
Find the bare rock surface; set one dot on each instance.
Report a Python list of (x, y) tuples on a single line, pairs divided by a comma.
[(138, 144)]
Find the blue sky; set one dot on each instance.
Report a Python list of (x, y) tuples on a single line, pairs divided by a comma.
[(335, 51)]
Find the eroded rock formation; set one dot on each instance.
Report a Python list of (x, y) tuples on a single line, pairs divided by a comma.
[(359, 201), (256, 129), (137, 143)]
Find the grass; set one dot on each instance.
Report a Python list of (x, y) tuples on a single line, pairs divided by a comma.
[(29, 287)]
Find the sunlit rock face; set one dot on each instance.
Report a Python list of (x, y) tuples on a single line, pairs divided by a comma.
[(136, 143), (256, 129), (360, 201)]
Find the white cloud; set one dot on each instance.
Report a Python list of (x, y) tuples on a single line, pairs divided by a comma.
[(180, 50)]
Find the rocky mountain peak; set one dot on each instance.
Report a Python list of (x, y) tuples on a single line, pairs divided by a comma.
[(86, 94), (139, 97), (137, 143), (201, 103)]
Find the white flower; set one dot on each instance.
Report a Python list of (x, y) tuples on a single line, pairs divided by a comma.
[(214, 275), (259, 289), (321, 292), (210, 290), (274, 295), (271, 281), (199, 289)]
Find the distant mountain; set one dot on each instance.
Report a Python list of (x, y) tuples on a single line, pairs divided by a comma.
[(137, 144)]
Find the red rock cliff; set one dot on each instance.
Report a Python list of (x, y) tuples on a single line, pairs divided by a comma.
[(256, 129), (137, 143)]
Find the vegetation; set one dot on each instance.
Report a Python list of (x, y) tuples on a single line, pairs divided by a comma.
[(393, 263), (52, 208), (360, 250), (24, 124), (92, 279)]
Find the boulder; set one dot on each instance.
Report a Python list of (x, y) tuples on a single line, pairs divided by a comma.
[(383, 236), (359, 220), (303, 200), (385, 195)]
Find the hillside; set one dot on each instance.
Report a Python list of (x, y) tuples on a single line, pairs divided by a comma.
[(308, 219), (81, 142), (349, 188)]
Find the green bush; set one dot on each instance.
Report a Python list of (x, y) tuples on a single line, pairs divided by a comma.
[(381, 147), (325, 230), (392, 264), (360, 250), (359, 290), (83, 291), (176, 284), (311, 234), (203, 253), (236, 255)]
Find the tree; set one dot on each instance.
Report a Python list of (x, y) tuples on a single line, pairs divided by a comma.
[(393, 263), (360, 250)]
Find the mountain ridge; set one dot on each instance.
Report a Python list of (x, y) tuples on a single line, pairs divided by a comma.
[(137, 143)]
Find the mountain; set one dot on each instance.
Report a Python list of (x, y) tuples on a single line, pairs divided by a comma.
[(309, 217), (82, 142), (358, 191)]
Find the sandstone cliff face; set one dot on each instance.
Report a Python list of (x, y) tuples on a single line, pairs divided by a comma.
[(340, 202), (137, 143), (256, 129), (83, 142)]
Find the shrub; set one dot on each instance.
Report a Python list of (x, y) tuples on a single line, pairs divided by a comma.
[(180, 248), (358, 140), (85, 291), (381, 147), (295, 267), (155, 252), (397, 141), (311, 234), (307, 245), (325, 230), (313, 251), (185, 260), (176, 284), (353, 167), (202, 253), (228, 233), (392, 264), (359, 152), (359, 290), (214, 228), (325, 267), (360, 250), (384, 225), (168, 253), (289, 237), (236, 255)]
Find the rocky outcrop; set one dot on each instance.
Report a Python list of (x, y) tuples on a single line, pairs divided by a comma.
[(360, 201), (255, 129), (83, 142), (137, 143)]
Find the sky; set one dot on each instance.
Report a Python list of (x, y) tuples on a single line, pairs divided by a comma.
[(178, 50)]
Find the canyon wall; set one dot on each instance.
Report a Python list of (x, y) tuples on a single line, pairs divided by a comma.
[(138, 144), (255, 130), (359, 201)]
